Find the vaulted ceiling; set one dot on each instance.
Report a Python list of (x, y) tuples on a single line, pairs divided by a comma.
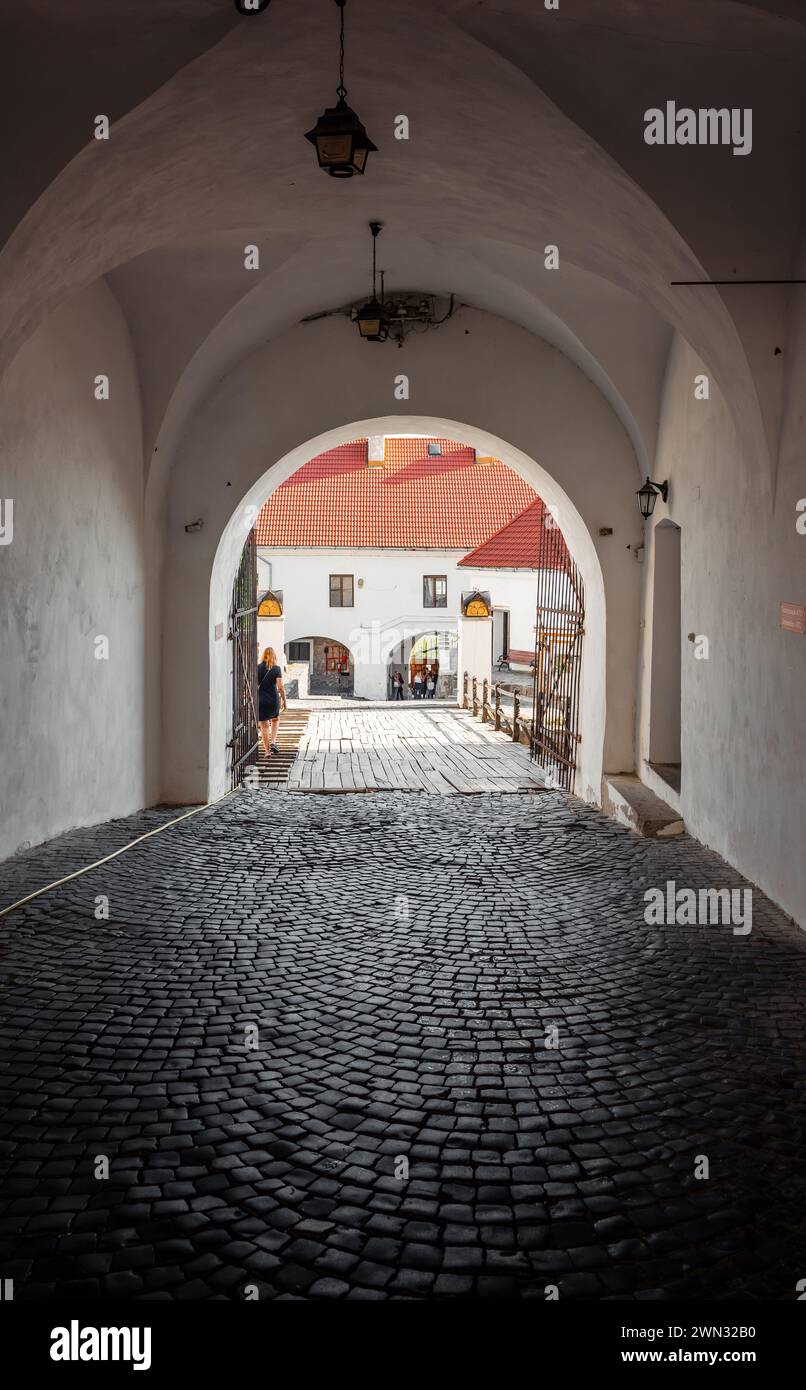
[(526, 129)]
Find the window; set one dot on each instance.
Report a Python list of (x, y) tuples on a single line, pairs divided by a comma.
[(337, 658), (299, 651), (435, 591), (341, 591)]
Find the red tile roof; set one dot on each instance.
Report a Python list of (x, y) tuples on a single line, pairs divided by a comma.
[(447, 502), (525, 543)]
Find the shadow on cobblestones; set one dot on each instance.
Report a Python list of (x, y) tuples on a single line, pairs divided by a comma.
[(314, 1042)]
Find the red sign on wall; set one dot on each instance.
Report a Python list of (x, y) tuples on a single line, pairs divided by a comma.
[(793, 617)]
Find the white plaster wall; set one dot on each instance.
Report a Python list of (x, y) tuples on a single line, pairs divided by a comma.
[(512, 589), (271, 633), (73, 727), (744, 709), (475, 647)]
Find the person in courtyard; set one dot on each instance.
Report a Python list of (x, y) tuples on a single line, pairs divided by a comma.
[(431, 685), (270, 692), (397, 686), (417, 685)]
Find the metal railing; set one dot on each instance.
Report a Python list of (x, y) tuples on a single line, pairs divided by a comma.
[(509, 711)]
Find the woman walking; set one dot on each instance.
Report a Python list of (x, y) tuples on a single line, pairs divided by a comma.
[(270, 691)]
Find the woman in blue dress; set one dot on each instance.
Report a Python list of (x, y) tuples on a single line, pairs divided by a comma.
[(270, 691)]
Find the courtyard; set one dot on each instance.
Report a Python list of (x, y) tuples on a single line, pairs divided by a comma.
[(416, 746)]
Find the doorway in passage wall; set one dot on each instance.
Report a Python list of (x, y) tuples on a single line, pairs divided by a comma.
[(665, 685), (500, 635)]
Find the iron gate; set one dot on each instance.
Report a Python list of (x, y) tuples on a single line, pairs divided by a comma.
[(559, 628), (243, 635)]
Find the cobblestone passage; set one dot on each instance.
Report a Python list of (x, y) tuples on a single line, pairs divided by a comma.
[(311, 1040)]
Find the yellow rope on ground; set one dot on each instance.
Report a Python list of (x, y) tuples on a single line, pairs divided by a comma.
[(158, 831)]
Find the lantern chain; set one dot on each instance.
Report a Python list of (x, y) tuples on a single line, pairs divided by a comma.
[(341, 90)]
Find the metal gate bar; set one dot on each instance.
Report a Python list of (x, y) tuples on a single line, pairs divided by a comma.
[(559, 629), (243, 744)]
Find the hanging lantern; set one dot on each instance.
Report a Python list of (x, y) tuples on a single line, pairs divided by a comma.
[(372, 323), (372, 318), (342, 143), (648, 495)]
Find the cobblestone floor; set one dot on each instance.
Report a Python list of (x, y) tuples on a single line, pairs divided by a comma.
[(401, 958)]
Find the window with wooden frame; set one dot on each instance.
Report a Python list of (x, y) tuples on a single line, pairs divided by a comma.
[(435, 591), (341, 591), (337, 658)]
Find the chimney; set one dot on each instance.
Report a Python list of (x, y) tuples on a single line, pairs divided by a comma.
[(376, 445)]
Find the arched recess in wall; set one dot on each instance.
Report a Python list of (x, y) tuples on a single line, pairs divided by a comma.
[(578, 538), (331, 661)]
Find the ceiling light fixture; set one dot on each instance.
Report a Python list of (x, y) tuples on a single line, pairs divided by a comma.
[(371, 318), (395, 317), (342, 143), (406, 313)]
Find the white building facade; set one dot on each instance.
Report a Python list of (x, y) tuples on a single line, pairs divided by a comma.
[(386, 608)]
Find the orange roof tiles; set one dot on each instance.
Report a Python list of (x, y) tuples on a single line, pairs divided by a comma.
[(447, 502), (525, 543)]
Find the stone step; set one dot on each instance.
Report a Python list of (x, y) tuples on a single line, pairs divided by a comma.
[(274, 771), (631, 803)]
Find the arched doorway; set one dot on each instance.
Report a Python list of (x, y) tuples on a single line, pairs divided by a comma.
[(575, 531), (419, 653), (331, 667)]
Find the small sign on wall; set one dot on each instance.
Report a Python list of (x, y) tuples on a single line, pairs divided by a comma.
[(219, 631), (793, 617)]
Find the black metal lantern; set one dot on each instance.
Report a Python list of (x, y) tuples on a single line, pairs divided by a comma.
[(371, 322), (342, 143), (372, 318), (648, 496)]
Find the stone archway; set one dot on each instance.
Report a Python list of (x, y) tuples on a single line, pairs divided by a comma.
[(575, 530)]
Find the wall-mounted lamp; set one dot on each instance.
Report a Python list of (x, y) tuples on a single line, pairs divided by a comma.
[(193, 526), (648, 496), (342, 143)]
